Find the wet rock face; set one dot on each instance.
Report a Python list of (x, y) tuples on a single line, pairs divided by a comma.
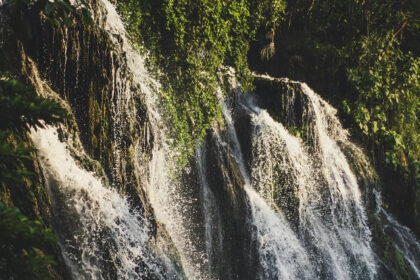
[(286, 103), (243, 128), (82, 64), (282, 100), (87, 70), (285, 195), (237, 256)]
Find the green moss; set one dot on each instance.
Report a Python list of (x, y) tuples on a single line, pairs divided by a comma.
[(189, 41)]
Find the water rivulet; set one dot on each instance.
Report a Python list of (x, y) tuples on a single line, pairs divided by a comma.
[(276, 190)]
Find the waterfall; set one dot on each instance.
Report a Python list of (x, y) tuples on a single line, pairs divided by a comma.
[(106, 238), (164, 191), (299, 197), (282, 256), (281, 160)]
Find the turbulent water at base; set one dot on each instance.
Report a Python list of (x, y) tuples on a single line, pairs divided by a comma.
[(107, 232), (304, 216)]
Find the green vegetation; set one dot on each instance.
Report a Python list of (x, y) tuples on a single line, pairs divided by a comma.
[(24, 242), (388, 83), (21, 239), (363, 56), (189, 41), (22, 109)]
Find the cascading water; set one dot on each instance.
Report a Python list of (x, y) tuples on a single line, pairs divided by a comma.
[(403, 238), (165, 193), (281, 253), (106, 242), (110, 239), (303, 212), (281, 160)]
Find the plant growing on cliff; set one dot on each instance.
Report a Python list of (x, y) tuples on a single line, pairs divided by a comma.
[(189, 41), (389, 98), (363, 57), (20, 238)]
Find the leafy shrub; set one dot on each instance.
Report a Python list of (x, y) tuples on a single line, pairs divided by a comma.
[(20, 240)]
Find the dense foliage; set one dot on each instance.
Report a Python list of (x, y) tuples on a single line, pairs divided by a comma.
[(24, 241), (21, 238), (364, 57), (387, 108), (189, 41)]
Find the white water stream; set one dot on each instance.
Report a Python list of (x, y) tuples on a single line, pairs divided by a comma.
[(404, 240), (163, 190), (282, 256), (336, 225), (328, 239), (108, 232)]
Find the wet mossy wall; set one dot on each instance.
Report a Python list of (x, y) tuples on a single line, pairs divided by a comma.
[(31, 197), (83, 65), (238, 258)]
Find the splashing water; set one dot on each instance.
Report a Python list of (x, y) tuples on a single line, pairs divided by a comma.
[(335, 226), (281, 254), (107, 234), (404, 240), (306, 210), (163, 191)]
